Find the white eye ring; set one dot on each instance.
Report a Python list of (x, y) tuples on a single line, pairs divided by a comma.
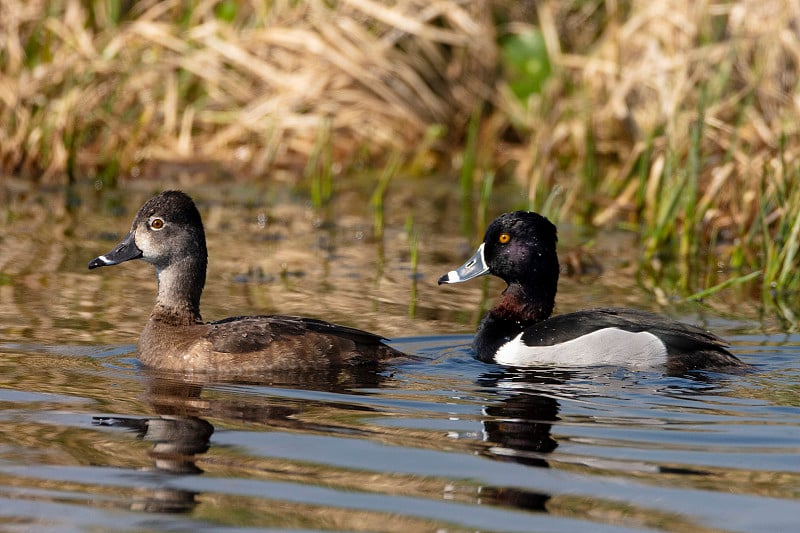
[(156, 223)]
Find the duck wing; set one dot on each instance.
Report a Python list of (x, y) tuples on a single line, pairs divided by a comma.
[(696, 347), (285, 334), (677, 336)]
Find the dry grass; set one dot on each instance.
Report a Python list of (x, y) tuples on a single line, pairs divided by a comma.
[(85, 87), (636, 91)]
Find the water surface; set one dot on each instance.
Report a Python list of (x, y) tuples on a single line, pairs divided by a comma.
[(90, 441)]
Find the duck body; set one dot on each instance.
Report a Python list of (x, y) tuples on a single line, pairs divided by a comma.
[(520, 248), (603, 336), (257, 344), (168, 233)]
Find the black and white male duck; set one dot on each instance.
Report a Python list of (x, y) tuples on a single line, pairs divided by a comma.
[(520, 248), (168, 233)]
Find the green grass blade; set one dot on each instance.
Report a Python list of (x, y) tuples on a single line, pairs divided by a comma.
[(724, 285)]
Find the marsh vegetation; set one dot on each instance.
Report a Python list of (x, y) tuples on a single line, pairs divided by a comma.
[(677, 120)]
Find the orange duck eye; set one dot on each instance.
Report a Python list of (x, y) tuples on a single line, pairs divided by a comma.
[(504, 238), (157, 223)]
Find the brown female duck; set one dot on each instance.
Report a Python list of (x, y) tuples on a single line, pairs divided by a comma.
[(168, 233)]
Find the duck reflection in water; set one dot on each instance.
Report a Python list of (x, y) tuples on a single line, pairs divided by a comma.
[(177, 440), (518, 428), (181, 434)]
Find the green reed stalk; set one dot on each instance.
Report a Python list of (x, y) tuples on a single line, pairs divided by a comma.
[(769, 248), (775, 195), (660, 224), (786, 271), (787, 277), (487, 184), (589, 171), (390, 170), (414, 249), (319, 169), (705, 293), (549, 208), (468, 164), (413, 244), (688, 242)]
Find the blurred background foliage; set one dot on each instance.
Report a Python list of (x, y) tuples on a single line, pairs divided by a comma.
[(678, 119)]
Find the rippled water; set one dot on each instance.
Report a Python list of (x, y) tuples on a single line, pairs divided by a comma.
[(89, 441)]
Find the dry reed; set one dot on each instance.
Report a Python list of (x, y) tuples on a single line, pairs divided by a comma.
[(250, 84)]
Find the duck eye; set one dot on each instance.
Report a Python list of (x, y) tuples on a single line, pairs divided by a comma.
[(157, 223), (504, 238)]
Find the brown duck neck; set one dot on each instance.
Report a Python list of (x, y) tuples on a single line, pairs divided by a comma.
[(524, 306), (179, 288)]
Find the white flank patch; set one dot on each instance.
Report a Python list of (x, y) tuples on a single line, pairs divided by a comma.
[(608, 346)]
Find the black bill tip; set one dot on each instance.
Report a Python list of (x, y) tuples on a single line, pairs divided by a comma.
[(98, 262), (124, 251)]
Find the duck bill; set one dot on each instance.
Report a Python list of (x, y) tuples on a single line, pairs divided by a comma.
[(124, 251), (474, 267)]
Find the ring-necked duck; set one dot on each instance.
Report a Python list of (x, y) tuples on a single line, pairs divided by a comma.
[(520, 248), (168, 233)]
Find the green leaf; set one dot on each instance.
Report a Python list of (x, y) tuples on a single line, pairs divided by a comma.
[(525, 62)]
